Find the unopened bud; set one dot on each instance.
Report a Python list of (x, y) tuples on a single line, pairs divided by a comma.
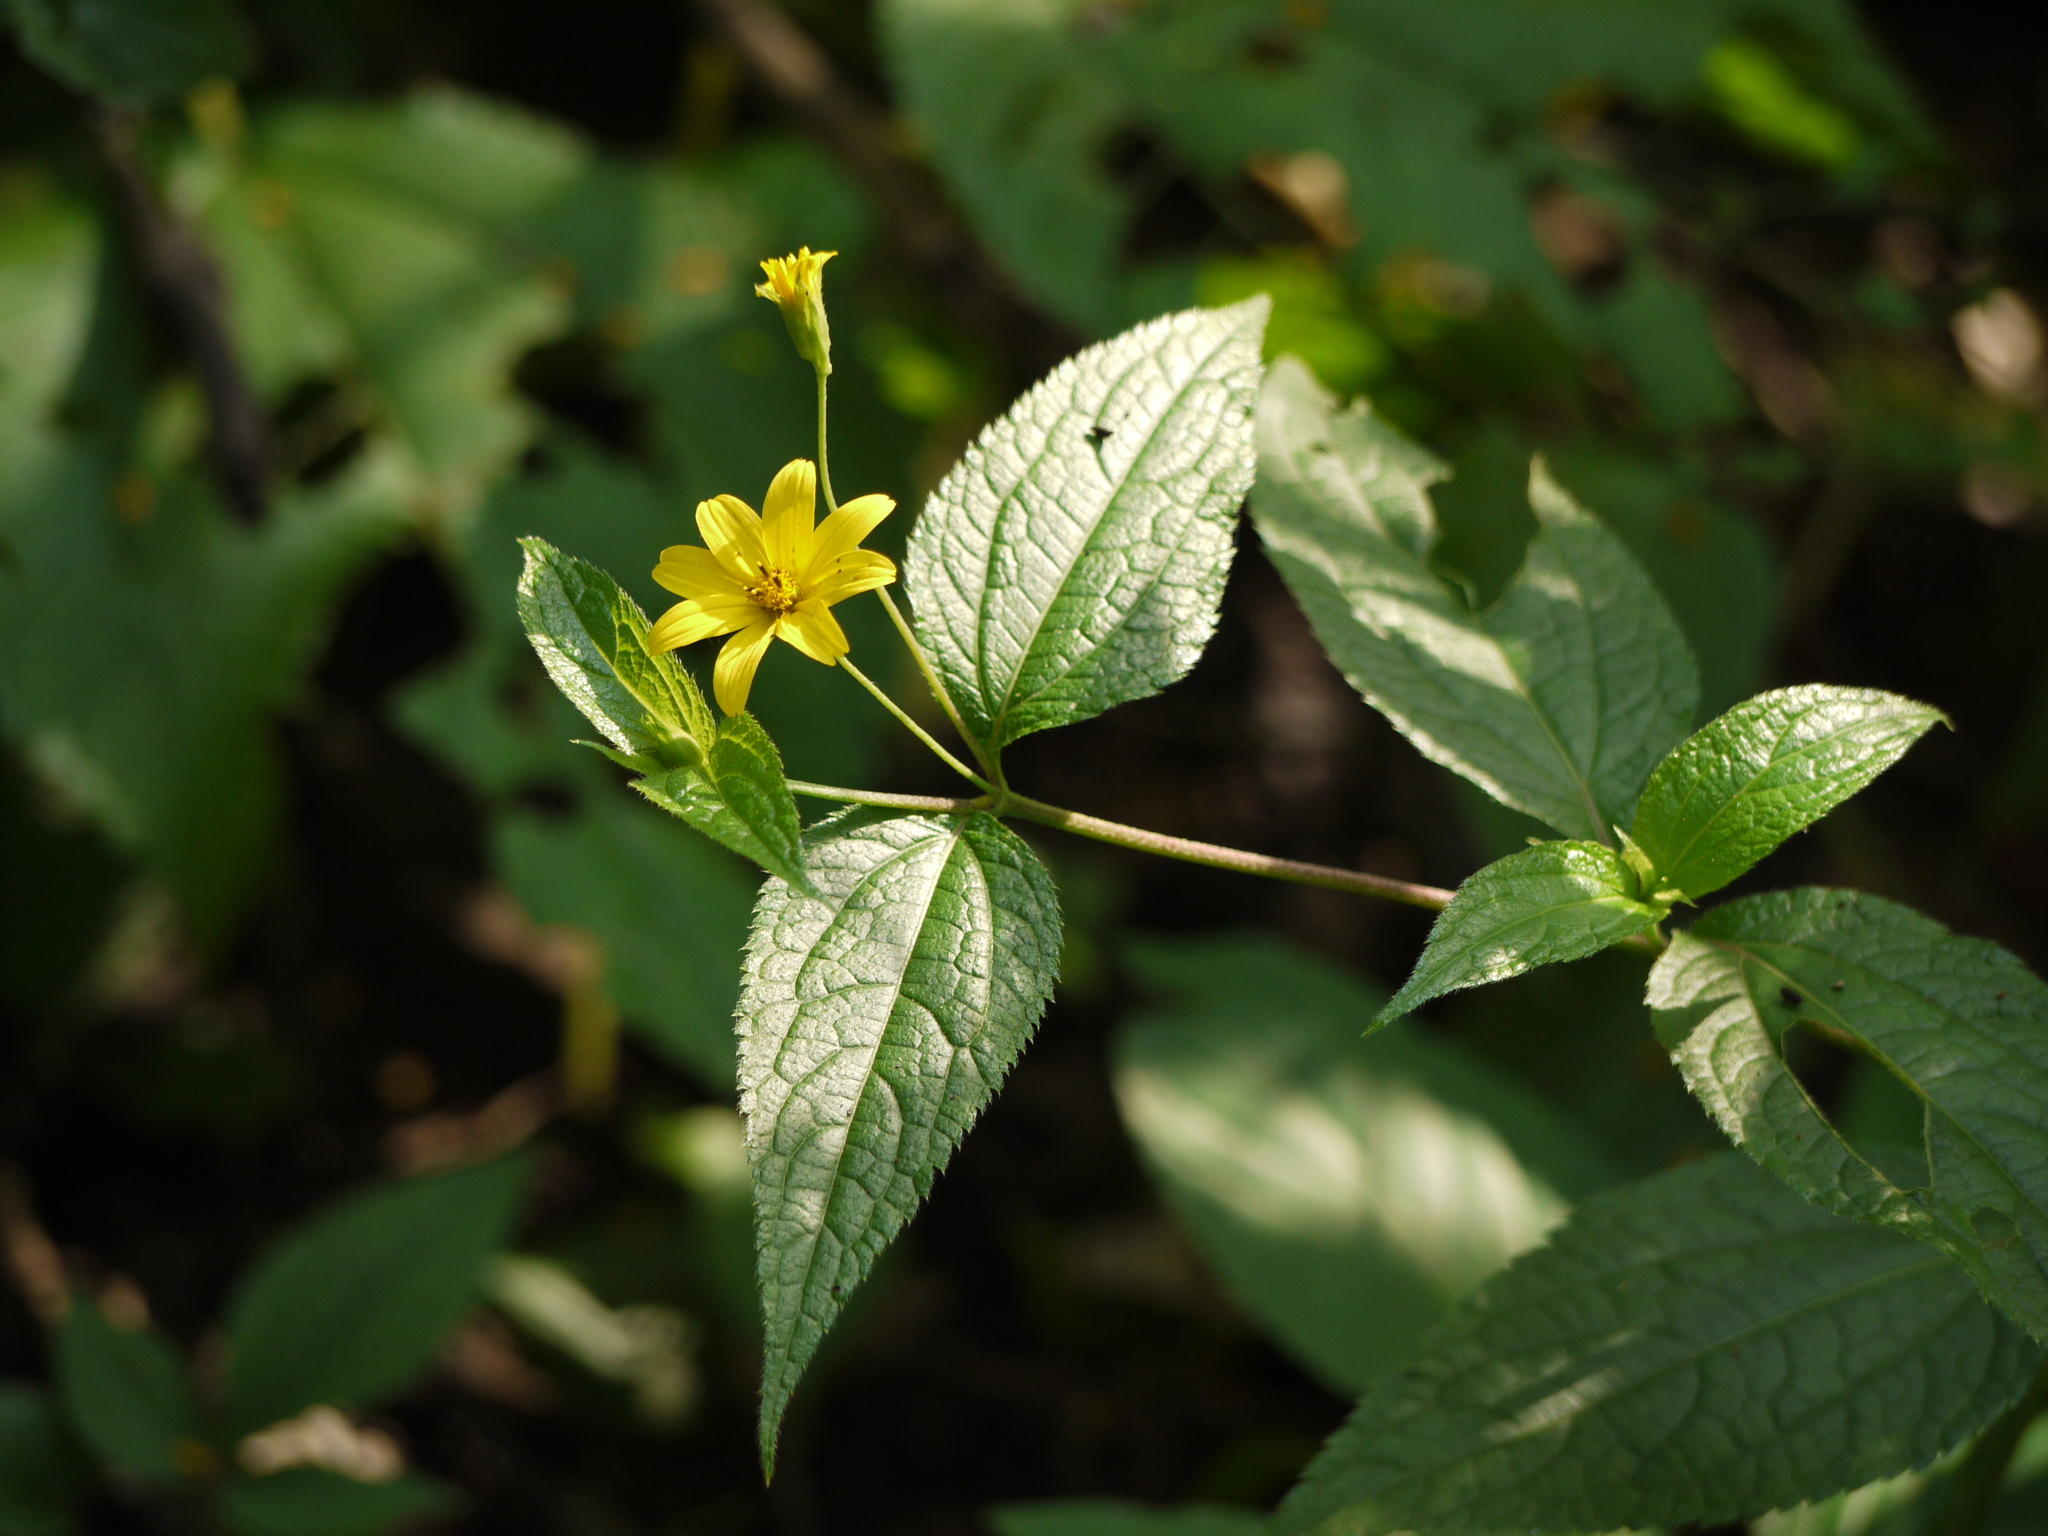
[(797, 285)]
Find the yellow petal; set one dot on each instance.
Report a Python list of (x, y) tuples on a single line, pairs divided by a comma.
[(732, 675), (841, 533), (687, 623), (861, 571), (787, 515), (733, 533), (689, 571), (813, 630)]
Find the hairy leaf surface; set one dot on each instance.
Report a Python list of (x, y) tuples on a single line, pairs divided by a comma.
[(355, 1302), (1959, 1021), (722, 777), (1546, 904), (1559, 700), (1314, 1167), (1075, 556), (1698, 1346), (1771, 766), (876, 1020)]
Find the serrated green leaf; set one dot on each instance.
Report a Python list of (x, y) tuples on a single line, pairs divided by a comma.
[(1074, 558), (352, 1304), (1544, 905), (592, 638), (1119, 1517), (1771, 766), (875, 1023), (740, 797), (304, 1501), (722, 777), (127, 1393), (39, 1472), (1558, 700), (134, 53), (1314, 1167), (1960, 1022), (1700, 1346)]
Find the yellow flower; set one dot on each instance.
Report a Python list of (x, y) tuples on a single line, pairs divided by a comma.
[(769, 576), (797, 285)]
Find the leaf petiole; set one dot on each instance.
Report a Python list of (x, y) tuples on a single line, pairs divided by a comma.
[(917, 730), (931, 677)]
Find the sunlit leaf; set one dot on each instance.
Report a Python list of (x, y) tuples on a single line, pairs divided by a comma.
[(1546, 904), (1558, 700), (1074, 558), (1959, 1021), (876, 1021)]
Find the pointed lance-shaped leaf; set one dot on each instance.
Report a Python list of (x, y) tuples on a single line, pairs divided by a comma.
[(1075, 557), (876, 1021), (1558, 700), (1701, 1346), (1771, 766), (1958, 1021), (1548, 903), (724, 778)]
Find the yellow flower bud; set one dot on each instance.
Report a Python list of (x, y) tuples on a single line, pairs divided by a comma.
[(797, 284)]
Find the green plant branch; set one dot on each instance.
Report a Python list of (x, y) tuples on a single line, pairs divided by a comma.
[(1433, 898), (917, 730), (938, 804), (824, 461), (1983, 1470), (931, 678)]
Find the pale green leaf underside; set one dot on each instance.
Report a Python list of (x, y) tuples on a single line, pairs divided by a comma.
[(876, 1020), (723, 777), (1549, 903), (1074, 558), (1959, 1021), (1699, 1346), (1559, 700), (1771, 766)]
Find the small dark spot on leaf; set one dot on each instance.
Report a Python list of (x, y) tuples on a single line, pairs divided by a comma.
[(1999, 995), (1788, 997), (837, 1289), (1836, 986), (1097, 436)]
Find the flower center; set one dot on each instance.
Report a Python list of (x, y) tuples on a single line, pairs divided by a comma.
[(775, 591)]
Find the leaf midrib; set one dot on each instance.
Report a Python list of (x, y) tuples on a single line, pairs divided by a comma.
[(1771, 765), (957, 833), (999, 715), (1839, 1021)]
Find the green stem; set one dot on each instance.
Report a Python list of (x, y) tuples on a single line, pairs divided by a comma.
[(917, 730), (824, 461), (931, 678), (1983, 1470), (936, 803), (1357, 881)]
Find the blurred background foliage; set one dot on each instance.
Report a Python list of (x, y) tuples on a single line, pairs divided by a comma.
[(309, 308)]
